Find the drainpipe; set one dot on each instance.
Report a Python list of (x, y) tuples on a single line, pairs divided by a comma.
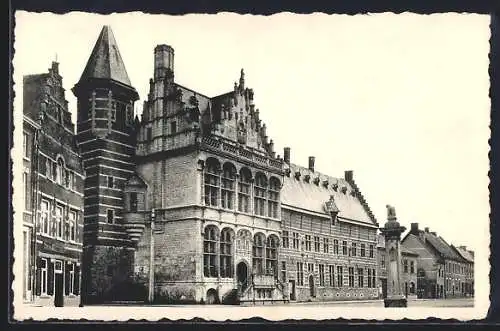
[(151, 258)]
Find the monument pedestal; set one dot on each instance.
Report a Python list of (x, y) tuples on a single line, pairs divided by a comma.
[(395, 301)]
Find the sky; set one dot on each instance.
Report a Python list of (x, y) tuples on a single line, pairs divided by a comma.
[(402, 100)]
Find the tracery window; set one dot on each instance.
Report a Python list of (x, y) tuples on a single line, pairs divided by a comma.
[(226, 257), (260, 194), (244, 185), (274, 197), (210, 251), (258, 253), (212, 184), (227, 189), (272, 255)]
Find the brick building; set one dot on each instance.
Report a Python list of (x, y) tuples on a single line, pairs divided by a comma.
[(190, 203), (53, 193), (468, 256), (442, 271), (409, 269)]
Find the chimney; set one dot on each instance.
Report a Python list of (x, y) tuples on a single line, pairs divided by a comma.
[(164, 62), (286, 154), (414, 227), (426, 230), (311, 163), (348, 175)]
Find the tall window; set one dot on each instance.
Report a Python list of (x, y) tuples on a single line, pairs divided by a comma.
[(133, 201), (340, 276), (295, 240), (45, 206), (26, 152), (363, 251), (369, 278), (43, 276), (335, 246), (371, 251), (331, 273), (71, 180), (321, 268), (351, 276), (60, 172), (405, 266), (285, 239), (110, 216), (308, 242), (274, 197), (48, 169), (412, 267), (283, 271), (344, 247), (258, 253), (226, 261), (227, 189), (244, 185), (71, 278), (382, 261), (353, 249), (272, 255), (260, 194), (212, 183), (26, 191), (360, 277), (316, 244), (111, 182), (300, 273), (59, 222), (173, 127), (374, 278), (72, 225), (210, 251)]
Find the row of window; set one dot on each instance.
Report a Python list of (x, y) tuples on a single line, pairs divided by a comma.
[(405, 266), (218, 253), (222, 188), (45, 276), (336, 276), (57, 172), (323, 245), (457, 268), (58, 221)]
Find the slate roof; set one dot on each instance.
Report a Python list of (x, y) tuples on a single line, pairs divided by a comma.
[(467, 255), (105, 61), (441, 246), (311, 197)]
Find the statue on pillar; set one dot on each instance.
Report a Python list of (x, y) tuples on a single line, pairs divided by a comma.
[(392, 231)]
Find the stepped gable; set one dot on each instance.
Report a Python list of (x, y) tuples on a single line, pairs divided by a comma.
[(309, 190), (105, 61)]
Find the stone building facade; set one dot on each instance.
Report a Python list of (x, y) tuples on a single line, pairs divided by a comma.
[(53, 193), (467, 286), (409, 267), (190, 203), (442, 271)]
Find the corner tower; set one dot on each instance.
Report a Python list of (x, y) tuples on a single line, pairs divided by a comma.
[(106, 138)]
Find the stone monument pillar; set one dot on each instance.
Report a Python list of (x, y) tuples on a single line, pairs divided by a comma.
[(392, 232)]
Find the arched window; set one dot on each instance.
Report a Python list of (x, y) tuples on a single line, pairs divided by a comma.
[(212, 184), (210, 251), (60, 171), (260, 194), (274, 197), (258, 253), (226, 253), (272, 255), (227, 189), (244, 185)]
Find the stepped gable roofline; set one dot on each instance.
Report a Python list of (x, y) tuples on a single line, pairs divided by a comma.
[(311, 195), (105, 61)]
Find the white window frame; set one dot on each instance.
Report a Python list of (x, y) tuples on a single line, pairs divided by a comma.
[(71, 279), (26, 153), (44, 276), (59, 221), (72, 225), (44, 215)]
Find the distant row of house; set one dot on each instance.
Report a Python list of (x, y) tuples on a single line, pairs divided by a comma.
[(432, 268)]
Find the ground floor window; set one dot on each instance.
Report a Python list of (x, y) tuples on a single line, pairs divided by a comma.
[(360, 277), (331, 270), (351, 276), (300, 273), (321, 274), (340, 280)]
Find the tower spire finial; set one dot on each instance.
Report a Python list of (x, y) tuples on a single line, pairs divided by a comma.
[(242, 79)]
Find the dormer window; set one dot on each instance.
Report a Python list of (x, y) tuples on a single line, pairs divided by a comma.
[(325, 184), (307, 178), (335, 187), (297, 175), (353, 193), (287, 172), (316, 181), (344, 189)]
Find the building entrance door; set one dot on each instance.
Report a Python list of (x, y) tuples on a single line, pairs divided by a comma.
[(384, 288), (242, 275), (311, 286), (58, 285), (292, 290)]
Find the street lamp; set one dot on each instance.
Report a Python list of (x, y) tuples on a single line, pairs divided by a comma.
[(151, 258), (35, 197)]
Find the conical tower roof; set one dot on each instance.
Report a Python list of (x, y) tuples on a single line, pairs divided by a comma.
[(105, 62)]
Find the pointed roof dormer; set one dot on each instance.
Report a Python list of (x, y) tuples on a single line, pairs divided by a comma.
[(105, 62)]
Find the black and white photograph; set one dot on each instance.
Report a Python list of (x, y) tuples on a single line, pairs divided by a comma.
[(233, 166)]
